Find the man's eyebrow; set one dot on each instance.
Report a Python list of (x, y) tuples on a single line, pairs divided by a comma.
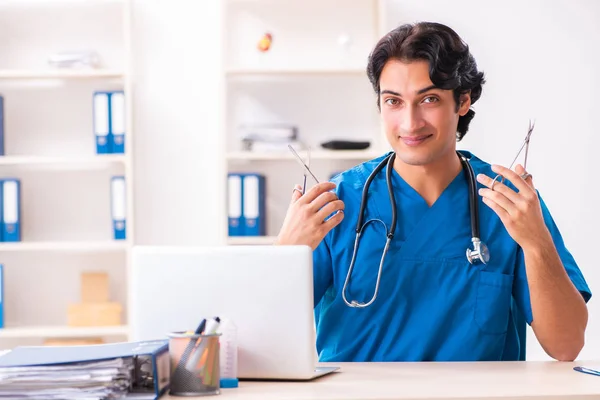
[(421, 91), (391, 92)]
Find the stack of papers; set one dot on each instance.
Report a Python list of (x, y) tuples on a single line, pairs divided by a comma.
[(93, 380)]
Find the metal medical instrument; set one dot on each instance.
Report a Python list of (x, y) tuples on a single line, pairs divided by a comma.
[(525, 145), (304, 166)]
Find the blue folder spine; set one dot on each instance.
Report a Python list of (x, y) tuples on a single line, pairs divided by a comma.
[(1, 210), (254, 205), (102, 123), (119, 207), (1, 296), (117, 121), (11, 215), (1, 126), (234, 207)]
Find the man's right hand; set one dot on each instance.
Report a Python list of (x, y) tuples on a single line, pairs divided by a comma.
[(304, 223)]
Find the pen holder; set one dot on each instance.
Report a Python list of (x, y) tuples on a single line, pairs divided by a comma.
[(194, 363)]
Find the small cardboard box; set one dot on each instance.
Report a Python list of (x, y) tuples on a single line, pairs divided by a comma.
[(72, 341), (94, 287), (94, 314)]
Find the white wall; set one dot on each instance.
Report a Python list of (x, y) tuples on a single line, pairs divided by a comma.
[(540, 59), (541, 62), (177, 57)]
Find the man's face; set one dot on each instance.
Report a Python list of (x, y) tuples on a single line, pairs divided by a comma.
[(420, 121)]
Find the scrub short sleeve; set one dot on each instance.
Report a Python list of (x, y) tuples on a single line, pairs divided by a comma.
[(521, 287), (322, 269)]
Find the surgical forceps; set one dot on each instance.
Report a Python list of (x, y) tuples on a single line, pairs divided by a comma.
[(305, 166), (525, 145)]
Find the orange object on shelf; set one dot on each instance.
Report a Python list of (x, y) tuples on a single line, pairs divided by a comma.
[(264, 44)]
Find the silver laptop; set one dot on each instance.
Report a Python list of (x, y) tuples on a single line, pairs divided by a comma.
[(266, 291)]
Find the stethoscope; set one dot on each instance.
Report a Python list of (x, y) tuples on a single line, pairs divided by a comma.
[(479, 252)]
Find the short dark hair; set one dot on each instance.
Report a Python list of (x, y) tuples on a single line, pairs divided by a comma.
[(451, 65)]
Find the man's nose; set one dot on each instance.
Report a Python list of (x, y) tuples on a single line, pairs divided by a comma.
[(412, 121)]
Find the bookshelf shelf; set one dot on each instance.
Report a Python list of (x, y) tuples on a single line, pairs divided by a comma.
[(251, 240), (62, 332), (75, 162), (92, 247), (289, 71), (24, 74), (314, 155)]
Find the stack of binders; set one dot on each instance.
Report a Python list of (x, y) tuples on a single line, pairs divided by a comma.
[(109, 122), (133, 370), (246, 208)]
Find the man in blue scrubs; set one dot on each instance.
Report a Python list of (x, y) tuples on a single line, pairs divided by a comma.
[(432, 303)]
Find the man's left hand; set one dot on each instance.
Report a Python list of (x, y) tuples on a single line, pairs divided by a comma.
[(520, 212)]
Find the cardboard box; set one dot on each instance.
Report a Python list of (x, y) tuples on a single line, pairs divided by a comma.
[(94, 314), (72, 341), (94, 287)]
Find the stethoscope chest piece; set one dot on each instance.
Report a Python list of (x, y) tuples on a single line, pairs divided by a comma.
[(479, 252)]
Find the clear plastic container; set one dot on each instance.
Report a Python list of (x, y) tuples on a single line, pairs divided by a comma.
[(228, 354)]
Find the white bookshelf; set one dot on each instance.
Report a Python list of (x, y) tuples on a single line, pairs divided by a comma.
[(314, 79), (66, 224)]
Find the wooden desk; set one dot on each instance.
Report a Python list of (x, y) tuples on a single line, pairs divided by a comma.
[(411, 381)]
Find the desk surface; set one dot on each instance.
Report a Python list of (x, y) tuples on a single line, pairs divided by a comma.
[(411, 381)]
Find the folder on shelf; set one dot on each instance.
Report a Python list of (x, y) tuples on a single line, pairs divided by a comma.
[(136, 369), (117, 121), (101, 111), (1, 296), (1, 209), (254, 205), (11, 210), (1, 126), (234, 211), (118, 207)]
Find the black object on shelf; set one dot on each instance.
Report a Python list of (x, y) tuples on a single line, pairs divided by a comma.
[(345, 145)]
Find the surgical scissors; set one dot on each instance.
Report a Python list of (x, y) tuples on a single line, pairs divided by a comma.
[(525, 145), (305, 166)]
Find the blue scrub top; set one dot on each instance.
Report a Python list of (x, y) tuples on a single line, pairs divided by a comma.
[(432, 305)]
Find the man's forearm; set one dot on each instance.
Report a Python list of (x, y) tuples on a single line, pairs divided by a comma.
[(559, 311)]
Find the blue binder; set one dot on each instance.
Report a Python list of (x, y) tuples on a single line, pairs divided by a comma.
[(1, 296), (118, 207), (11, 210), (1, 209), (117, 121), (102, 122), (254, 212), (234, 207), (1, 126)]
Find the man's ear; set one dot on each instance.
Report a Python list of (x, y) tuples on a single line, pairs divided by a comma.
[(464, 103)]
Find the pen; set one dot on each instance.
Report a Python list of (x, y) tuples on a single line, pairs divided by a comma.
[(191, 344), (587, 371), (211, 328)]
